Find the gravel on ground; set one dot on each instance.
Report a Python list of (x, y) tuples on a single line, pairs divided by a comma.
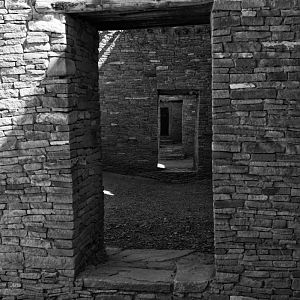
[(147, 213)]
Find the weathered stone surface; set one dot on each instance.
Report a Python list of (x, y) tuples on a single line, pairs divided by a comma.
[(193, 274), (53, 118), (39, 262), (48, 23), (61, 67), (11, 260), (261, 152), (145, 270), (130, 279)]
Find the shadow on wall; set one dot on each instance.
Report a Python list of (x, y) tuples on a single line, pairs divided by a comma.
[(50, 162)]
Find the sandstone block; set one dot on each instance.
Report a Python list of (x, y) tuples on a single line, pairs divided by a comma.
[(278, 283), (241, 298), (60, 234), (32, 91), (253, 94), (251, 35), (225, 22), (49, 23), (21, 5), (252, 21), (253, 3), (36, 47), (11, 49), (49, 262), (231, 169), (11, 260), (242, 86), (221, 94), (35, 243), (61, 67), (8, 143), (226, 146), (58, 88), (227, 277), (25, 119), (37, 37), (296, 284), (33, 144), (12, 28), (12, 71), (52, 118), (220, 5), (223, 63), (261, 147)]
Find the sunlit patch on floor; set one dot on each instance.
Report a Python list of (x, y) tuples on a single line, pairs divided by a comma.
[(108, 193), (161, 166)]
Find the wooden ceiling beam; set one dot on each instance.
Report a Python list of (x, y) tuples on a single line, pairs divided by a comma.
[(191, 15), (130, 14), (77, 6)]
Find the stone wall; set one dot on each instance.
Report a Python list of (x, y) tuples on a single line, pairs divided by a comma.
[(137, 65), (84, 121), (50, 177), (190, 119), (50, 181), (256, 46)]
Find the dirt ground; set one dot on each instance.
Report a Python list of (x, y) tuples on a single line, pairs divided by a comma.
[(146, 213)]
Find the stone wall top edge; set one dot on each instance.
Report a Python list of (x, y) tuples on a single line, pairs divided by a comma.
[(238, 5)]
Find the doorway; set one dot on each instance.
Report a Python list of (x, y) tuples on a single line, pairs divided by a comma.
[(164, 121), (141, 104), (179, 128)]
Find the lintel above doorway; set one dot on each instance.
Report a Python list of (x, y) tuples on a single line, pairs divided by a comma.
[(118, 14)]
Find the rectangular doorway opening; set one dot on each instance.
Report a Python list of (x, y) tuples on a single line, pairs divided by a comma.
[(164, 122), (156, 222), (178, 113)]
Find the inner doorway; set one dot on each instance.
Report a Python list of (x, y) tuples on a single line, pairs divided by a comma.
[(178, 123), (164, 121)]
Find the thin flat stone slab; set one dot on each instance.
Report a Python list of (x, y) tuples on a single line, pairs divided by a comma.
[(128, 279), (150, 255), (147, 258), (113, 250), (149, 270), (193, 273)]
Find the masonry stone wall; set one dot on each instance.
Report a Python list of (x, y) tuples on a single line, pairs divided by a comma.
[(256, 84), (50, 182), (135, 67), (190, 113), (51, 208)]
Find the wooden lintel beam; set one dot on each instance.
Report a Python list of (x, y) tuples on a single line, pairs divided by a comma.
[(84, 6), (191, 15)]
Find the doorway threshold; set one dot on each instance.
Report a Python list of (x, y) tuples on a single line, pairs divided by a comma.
[(160, 274)]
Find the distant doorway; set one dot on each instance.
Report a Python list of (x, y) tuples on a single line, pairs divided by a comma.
[(164, 121), (178, 131)]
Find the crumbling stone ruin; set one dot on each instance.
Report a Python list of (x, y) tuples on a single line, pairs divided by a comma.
[(50, 161)]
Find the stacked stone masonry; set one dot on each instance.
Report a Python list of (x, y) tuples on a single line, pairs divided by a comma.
[(256, 158), (135, 68), (49, 151), (51, 209)]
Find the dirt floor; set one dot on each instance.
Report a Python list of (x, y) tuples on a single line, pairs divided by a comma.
[(146, 213)]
